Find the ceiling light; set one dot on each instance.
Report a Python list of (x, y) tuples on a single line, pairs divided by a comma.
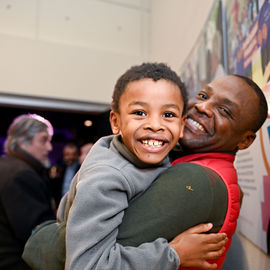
[(88, 123)]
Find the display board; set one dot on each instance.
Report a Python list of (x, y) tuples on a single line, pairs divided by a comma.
[(236, 40), (206, 60)]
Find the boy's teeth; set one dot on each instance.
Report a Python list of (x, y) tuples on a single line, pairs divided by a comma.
[(152, 143)]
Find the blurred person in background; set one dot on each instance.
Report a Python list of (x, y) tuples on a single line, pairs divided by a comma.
[(61, 175), (71, 165), (25, 194), (84, 150)]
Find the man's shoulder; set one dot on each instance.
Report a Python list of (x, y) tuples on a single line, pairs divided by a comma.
[(188, 174), (14, 170), (14, 163), (188, 168)]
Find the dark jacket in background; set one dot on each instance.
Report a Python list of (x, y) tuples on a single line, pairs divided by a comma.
[(25, 202), (57, 180)]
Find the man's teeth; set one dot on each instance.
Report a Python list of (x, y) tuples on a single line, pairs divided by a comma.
[(152, 143), (194, 123)]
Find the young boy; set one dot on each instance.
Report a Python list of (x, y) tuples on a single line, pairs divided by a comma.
[(147, 119)]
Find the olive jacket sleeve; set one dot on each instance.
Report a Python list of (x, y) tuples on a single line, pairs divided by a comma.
[(183, 196)]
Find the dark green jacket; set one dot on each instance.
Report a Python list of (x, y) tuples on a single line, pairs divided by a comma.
[(183, 196)]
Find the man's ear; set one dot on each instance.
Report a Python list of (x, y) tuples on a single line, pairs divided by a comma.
[(183, 122), (247, 140), (115, 122)]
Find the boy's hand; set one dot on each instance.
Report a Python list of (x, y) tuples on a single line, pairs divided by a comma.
[(195, 248)]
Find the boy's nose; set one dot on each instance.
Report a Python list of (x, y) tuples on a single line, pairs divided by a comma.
[(154, 123)]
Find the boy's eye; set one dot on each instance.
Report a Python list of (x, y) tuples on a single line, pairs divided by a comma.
[(140, 113), (169, 114)]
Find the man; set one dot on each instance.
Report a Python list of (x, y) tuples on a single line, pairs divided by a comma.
[(222, 119), (65, 172), (71, 165), (25, 196), (84, 150)]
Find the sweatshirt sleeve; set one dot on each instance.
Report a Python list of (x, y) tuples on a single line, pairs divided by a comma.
[(92, 228)]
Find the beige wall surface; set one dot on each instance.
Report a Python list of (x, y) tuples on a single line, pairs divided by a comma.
[(55, 70), (176, 25), (77, 49), (70, 49)]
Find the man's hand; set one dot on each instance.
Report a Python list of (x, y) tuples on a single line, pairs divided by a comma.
[(194, 248)]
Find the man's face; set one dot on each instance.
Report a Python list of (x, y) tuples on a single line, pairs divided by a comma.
[(40, 146), (149, 118), (219, 118), (70, 155)]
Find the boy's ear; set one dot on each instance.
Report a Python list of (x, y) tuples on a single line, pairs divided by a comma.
[(183, 122), (115, 122), (247, 140)]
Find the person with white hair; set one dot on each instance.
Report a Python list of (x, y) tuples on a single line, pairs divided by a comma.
[(25, 195)]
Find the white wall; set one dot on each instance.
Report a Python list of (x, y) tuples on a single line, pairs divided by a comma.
[(70, 49), (176, 25), (77, 49)]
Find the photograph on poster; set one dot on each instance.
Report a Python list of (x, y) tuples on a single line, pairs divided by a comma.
[(206, 60)]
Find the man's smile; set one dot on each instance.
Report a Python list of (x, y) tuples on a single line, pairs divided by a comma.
[(195, 124)]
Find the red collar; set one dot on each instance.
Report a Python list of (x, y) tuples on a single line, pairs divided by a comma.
[(199, 156)]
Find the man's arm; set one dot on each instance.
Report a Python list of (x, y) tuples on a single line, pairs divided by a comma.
[(183, 196)]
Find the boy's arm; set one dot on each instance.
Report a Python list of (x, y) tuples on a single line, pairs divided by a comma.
[(194, 248)]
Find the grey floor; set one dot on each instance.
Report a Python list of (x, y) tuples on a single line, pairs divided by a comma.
[(244, 255)]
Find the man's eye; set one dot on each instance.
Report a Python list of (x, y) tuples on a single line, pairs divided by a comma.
[(169, 114), (140, 113), (44, 140), (225, 111), (202, 95)]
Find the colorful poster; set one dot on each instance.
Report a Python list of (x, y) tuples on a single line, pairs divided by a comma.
[(236, 39), (194, 70), (242, 26), (206, 60), (248, 30)]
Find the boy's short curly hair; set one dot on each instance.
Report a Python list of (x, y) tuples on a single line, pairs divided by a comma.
[(155, 71)]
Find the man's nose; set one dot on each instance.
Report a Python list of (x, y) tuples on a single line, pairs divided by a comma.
[(49, 146), (205, 107)]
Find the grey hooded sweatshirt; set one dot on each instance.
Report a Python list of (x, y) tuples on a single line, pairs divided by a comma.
[(109, 178)]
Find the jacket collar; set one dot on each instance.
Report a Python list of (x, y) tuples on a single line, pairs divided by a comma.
[(27, 158), (209, 155)]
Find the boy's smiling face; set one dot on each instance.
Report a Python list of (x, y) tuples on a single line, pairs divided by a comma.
[(150, 118)]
